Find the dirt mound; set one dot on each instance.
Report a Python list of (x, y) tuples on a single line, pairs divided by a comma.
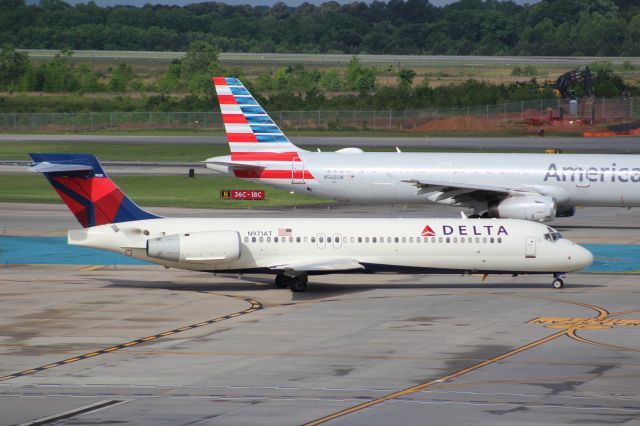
[(460, 123)]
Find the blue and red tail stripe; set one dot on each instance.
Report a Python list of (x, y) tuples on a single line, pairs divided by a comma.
[(85, 188), (244, 119)]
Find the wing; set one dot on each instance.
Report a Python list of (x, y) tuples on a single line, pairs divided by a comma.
[(459, 192), (322, 265)]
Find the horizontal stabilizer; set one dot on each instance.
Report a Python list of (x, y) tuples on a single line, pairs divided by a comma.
[(47, 167)]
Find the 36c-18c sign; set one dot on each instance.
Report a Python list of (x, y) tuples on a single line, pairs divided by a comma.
[(242, 194)]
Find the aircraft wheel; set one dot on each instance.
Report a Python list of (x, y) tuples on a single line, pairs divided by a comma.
[(557, 283), (282, 281), (298, 284)]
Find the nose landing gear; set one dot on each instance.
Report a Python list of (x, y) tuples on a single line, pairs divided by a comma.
[(558, 283)]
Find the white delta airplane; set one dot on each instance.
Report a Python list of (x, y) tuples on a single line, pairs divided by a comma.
[(520, 186), (294, 248)]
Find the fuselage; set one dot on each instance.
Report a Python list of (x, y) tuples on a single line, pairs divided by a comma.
[(379, 244), (381, 177)]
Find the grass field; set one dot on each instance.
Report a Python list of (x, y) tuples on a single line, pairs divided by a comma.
[(158, 191)]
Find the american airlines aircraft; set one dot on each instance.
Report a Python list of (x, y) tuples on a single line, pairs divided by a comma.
[(521, 186), (294, 248)]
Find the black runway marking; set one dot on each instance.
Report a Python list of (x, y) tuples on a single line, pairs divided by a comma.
[(255, 306)]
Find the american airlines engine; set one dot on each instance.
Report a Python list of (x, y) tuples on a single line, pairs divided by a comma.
[(535, 187), (530, 207), (292, 249)]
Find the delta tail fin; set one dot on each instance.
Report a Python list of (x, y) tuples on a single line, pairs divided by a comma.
[(86, 189), (252, 134)]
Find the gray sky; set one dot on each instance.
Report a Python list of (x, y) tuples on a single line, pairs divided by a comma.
[(252, 2)]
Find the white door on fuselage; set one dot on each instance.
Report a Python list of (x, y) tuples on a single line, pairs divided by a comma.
[(530, 247), (297, 171)]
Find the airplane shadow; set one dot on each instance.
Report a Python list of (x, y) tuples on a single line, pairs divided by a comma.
[(317, 290)]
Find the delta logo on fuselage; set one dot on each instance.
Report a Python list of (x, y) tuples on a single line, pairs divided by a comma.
[(466, 230), (592, 174)]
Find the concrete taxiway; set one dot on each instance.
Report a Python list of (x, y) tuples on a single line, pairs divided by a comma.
[(94, 344), (608, 145)]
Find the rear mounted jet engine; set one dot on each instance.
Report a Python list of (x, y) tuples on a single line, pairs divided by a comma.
[(196, 247), (529, 207)]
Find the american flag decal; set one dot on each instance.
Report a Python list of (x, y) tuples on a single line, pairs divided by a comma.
[(284, 232)]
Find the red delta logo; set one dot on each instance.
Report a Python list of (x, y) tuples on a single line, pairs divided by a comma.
[(428, 232)]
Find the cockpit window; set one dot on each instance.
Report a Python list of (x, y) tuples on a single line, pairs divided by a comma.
[(552, 235)]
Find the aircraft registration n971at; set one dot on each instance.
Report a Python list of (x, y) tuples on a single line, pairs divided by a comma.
[(522, 186), (294, 248)]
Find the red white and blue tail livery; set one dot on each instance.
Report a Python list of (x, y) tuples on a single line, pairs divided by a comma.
[(259, 149)]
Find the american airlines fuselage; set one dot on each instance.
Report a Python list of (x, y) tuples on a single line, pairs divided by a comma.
[(382, 177), (522, 186)]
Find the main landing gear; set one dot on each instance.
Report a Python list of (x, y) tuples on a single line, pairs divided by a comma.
[(558, 283), (296, 284)]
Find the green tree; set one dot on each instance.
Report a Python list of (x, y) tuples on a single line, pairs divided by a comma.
[(405, 78), (13, 66), (121, 78), (199, 64)]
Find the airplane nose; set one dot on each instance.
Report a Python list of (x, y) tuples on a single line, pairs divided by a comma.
[(581, 257)]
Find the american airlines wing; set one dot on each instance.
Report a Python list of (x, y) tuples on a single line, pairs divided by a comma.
[(323, 265), (461, 192)]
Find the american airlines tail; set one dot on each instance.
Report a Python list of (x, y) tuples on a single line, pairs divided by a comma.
[(85, 188), (251, 133), (259, 149)]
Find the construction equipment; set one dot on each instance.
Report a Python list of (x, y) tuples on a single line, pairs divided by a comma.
[(562, 83)]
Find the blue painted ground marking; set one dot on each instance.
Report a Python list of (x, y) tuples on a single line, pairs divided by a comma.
[(56, 251)]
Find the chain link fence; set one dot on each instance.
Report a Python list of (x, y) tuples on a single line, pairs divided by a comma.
[(610, 111)]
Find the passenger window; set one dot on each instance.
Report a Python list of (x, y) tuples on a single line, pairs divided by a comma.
[(433, 240), (484, 240), (306, 239), (353, 240), (455, 239), (298, 239), (290, 239), (321, 239), (268, 239), (448, 239), (275, 239), (417, 239), (366, 239), (439, 239), (262, 239), (359, 239), (337, 239), (404, 239), (397, 240), (253, 239), (499, 240), (491, 240), (374, 239), (477, 239), (328, 239), (410, 239), (313, 239), (246, 239), (388, 239)]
